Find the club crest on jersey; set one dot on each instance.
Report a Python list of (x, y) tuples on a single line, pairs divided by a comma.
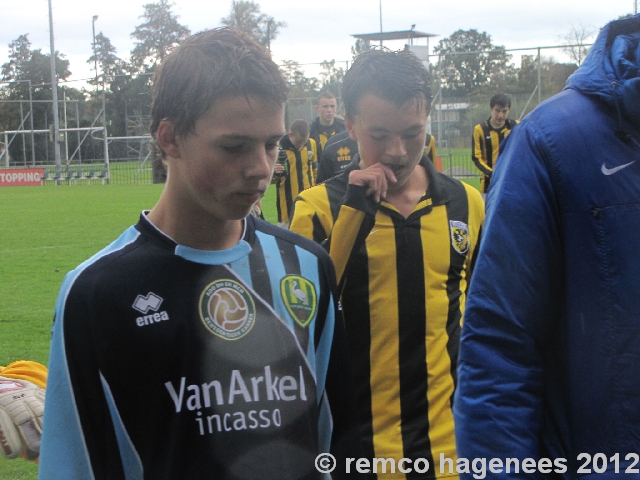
[(299, 296), (459, 236), (227, 309)]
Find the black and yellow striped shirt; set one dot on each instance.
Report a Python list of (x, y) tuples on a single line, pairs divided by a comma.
[(486, 145), (300, 174), (322, 133), (430, 148), (403, 284)]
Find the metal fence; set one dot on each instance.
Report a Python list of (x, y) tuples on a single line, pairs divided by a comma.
[(127, 160), (122, 171)]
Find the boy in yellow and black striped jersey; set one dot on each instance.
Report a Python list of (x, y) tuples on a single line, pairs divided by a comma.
[(295, 169), (326, 124), (488, 136), (403, 239)]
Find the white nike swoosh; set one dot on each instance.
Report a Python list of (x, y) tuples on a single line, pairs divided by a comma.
[(611, 171)]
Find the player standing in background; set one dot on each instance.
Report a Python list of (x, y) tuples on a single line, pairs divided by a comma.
[(295, 169), (488, 136), (203, 342), (326, 124), (403, 239)]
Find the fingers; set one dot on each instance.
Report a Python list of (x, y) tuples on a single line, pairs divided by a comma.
[(31, 433), (10, 439), (375, 179)]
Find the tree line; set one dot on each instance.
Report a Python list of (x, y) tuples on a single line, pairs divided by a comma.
[(126, 83)]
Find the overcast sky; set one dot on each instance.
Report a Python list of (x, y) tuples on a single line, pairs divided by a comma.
[(316, 31)]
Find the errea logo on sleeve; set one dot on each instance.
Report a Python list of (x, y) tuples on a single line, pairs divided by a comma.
[(146, 303)]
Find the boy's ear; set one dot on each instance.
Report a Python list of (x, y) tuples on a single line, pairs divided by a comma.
[(167, 139), (350, 127)]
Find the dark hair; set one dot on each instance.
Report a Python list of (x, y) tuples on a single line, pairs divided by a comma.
[(207, 66), (325, 94), (300, 126), (501, 99), (394, 76)]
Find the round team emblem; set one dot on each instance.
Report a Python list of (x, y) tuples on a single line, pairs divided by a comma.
[(227, 309)]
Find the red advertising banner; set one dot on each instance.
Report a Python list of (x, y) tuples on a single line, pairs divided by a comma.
[(21, 177)]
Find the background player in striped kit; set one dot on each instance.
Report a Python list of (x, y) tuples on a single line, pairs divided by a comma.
[(295, 169), (488, 136), (326, 124)]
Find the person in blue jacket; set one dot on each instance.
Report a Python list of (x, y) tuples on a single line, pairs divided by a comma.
[(549, 365)]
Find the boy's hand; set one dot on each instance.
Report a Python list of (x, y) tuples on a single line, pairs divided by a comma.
[(375, 179), (21, 411)]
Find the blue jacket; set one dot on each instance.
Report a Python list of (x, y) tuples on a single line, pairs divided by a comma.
[(549, 363)]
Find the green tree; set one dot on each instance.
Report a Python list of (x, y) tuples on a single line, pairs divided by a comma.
[(19, 56), (553, 75), (33, 65), (156, 36), (331, 77), (359, 47), (245, 15), (300, 85), (109, 65), (26, 65), (468, 61)]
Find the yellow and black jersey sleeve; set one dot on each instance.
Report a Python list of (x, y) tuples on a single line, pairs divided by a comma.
[(483, 149), (314, 159), (301, 172), (312, 214), (430, 148)]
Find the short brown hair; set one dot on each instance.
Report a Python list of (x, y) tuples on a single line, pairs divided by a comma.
[(206, 67), (325, 94), (394, 76), (300, 126)]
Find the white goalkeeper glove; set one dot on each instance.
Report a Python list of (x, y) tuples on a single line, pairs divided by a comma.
[(21, 410)]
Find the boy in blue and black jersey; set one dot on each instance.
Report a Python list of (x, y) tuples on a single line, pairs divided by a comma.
[(203, 342)]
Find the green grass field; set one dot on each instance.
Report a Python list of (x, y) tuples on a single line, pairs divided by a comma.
[(47, 231)]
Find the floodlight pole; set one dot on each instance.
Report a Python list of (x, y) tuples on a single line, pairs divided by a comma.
[(539, 77), (95, 56), (33, 148), (380, 21), (54, 94), (33, 143)]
